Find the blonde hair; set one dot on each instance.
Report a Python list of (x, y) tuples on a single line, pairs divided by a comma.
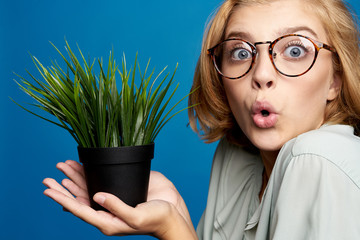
[(213, 119)]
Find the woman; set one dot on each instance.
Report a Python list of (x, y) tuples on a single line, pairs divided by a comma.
[(279, 87)]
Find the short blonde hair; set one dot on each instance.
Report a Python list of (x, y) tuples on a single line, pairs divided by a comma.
[(213, 119)]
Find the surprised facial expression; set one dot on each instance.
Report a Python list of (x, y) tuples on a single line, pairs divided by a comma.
[(269, 107)]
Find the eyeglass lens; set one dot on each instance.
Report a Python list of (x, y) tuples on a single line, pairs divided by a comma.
[(291, 55)]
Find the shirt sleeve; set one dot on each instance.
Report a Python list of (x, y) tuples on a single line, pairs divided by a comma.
[(316, 200)]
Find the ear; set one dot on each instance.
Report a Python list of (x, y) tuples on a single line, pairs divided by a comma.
[(335, 87)]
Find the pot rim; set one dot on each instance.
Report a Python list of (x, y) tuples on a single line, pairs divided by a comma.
[(116, 155)]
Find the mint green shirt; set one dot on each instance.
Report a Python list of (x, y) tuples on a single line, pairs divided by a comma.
[(313, 191)]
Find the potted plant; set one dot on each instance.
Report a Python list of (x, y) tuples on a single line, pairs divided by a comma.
[(115, 129)]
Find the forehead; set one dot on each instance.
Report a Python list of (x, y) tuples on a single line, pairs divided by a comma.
[(267, 21)]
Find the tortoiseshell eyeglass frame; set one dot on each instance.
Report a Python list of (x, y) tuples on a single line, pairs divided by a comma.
[(318, 45)]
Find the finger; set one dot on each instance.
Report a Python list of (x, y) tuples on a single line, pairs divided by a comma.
[(74, 189), (114, 205), (73, 174), (84, 201), (104, 221), (140, 220), (122, 211), (76, 166), (80, 210), (53, 184)]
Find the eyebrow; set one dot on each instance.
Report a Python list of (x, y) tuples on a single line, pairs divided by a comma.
[(282, 32), (238, 34), (297, 29)]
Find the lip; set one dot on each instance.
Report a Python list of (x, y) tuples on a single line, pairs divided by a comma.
[(261, 120)]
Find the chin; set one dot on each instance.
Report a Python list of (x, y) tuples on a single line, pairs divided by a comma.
[(270, 148), (266, 144)]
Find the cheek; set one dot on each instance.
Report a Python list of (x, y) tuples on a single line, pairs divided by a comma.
[(238, 95), (318, 86), (234, 94), (316, 82), (311, 93)]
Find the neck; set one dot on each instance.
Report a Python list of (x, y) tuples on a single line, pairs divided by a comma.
[(268, 159)]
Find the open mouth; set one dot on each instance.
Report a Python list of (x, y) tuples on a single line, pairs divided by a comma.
[(265, 113)]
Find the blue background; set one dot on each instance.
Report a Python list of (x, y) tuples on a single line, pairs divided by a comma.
[(167, 31)]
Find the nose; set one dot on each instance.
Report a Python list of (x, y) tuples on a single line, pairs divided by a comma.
[(264, 72)]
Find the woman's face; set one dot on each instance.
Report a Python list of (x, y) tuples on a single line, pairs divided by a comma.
[(295, 104)]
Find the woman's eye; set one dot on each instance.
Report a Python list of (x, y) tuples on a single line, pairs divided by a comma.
[(294, 52), (240, 54)]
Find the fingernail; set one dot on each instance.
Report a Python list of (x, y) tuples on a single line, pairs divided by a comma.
[(99, 198)]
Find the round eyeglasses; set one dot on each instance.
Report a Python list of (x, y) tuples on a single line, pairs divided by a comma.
[(291, 55)]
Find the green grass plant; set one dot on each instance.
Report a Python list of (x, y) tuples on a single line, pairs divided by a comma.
[(92, 108)]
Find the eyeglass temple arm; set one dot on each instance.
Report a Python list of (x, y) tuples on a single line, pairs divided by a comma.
[(327, 47)]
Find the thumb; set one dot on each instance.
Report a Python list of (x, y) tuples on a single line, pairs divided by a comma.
[(150, 217), (116, 207)]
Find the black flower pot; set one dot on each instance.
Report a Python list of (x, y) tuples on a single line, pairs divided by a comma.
[(122, 171)]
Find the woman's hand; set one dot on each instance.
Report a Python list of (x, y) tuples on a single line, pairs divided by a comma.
[(164, 215)]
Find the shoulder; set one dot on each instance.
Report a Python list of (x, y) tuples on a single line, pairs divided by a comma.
[(334, 144), (329, 141)]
